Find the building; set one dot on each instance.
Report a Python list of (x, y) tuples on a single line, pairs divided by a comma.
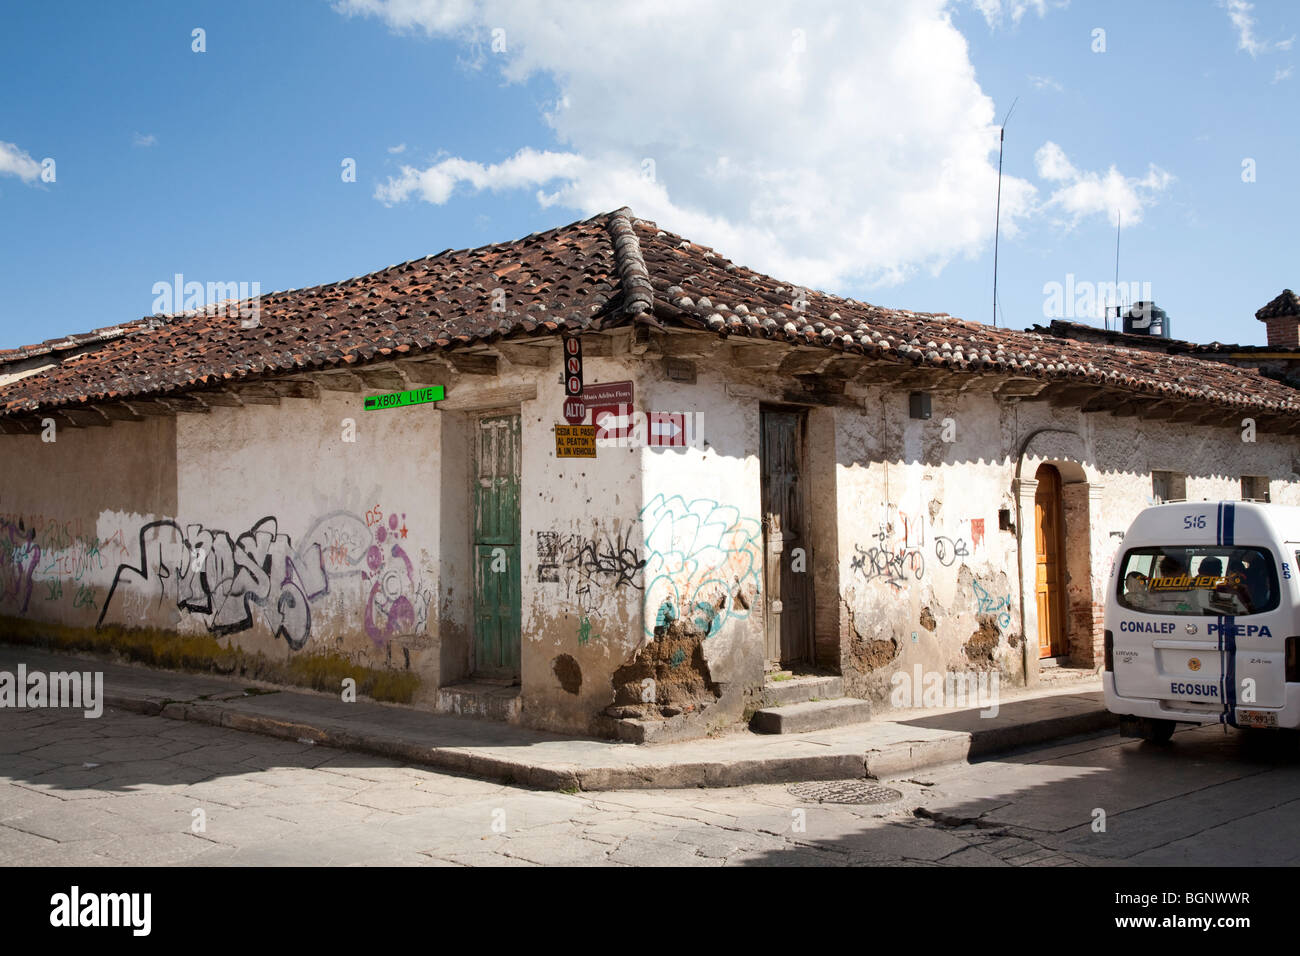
[(803, 481)]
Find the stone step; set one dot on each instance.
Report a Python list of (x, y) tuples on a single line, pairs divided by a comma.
[(492, 700), (811, 715), (796, 690)]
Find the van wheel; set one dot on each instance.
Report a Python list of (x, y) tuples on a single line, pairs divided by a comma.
[(1156, 731)]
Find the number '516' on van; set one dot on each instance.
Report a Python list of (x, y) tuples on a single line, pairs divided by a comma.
[(1202, 619)]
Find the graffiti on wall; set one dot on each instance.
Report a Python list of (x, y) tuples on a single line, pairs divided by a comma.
[(222, 579), (896, 554), (704, 563), (19, 555), (608, 560), (948, 550), (885, 561), (396, 604), (229, 582), (40, 554), (986, 604)]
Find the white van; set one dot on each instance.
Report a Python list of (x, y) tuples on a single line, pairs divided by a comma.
[(1202, 618)]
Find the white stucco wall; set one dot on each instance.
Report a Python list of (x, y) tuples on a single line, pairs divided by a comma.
[(911, 565)]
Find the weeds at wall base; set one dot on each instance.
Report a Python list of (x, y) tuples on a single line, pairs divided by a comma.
[(205, 654)]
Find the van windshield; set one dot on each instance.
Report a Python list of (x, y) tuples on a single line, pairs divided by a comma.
[(1202, 581)]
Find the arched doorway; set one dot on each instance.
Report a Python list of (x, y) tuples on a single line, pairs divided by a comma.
[(1049, 551)]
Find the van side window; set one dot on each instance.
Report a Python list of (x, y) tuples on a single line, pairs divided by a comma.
[(1215, 581)]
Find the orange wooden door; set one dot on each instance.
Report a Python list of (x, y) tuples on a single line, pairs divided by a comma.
[(1047, 548)]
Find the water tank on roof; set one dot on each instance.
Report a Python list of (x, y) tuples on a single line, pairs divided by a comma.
[(1146, 318)]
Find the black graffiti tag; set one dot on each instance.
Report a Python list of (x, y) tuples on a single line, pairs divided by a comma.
[(947, 550), (610, 561), (223, 579)]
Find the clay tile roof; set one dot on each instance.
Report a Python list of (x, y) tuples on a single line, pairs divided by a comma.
[(608, 270), (69, 343), (1286, 304), (561, 277), (697, 287)]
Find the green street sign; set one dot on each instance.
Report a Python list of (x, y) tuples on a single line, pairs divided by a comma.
[(415, 396)]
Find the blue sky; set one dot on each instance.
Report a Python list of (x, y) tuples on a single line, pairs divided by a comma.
[(850, 147)]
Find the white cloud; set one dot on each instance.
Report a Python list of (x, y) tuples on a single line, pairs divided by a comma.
[(1053, 164), (141, 140), (849, 145), (1044, 83), (16, 162), (1240, 13), (435, 185), (1080, 193), (996, 11), (399, 148), (1280, 75)]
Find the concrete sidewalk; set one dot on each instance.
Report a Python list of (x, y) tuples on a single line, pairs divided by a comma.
[(880, 749)]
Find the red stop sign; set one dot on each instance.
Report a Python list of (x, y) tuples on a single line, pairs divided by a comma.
[(575, 411)]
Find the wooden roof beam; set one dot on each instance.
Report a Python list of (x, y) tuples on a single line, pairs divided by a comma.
[(292, 388), (187, 404), (84, 417), (258, 395), (118, 412), (479, 363), (383, 379), (336, 381), (149, 407)]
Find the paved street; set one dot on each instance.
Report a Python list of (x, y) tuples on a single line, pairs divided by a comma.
[(125, 788)]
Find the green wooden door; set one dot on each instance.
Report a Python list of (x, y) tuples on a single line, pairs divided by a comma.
[(496, 547)]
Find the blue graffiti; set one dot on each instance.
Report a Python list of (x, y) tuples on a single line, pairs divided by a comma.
[(985, 604), (702, 560)]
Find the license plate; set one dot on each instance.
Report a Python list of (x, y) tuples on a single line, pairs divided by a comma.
[(1256, 718)]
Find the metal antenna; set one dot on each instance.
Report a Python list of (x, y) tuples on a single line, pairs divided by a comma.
[(1119, 225), (997, 222)]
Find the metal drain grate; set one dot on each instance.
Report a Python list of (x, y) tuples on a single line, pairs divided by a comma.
[(844, 791)]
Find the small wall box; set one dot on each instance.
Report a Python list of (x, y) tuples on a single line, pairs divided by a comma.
[(919, 404)]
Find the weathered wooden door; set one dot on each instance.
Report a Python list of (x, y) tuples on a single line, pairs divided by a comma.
[(496, 547), (786, 552), (1048, 550)]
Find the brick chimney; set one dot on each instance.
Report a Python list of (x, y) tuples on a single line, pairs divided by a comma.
[(1282, 319)]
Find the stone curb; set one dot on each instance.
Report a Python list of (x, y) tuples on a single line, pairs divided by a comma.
[(890, 761), (960, 746)]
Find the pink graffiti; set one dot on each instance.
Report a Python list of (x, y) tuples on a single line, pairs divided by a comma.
[(392, 606)]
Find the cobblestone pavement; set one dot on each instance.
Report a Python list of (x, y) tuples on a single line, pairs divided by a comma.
[(130, 789)]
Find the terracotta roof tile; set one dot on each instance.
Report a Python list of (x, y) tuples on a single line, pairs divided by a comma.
[(708, 291), (600, 272)]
